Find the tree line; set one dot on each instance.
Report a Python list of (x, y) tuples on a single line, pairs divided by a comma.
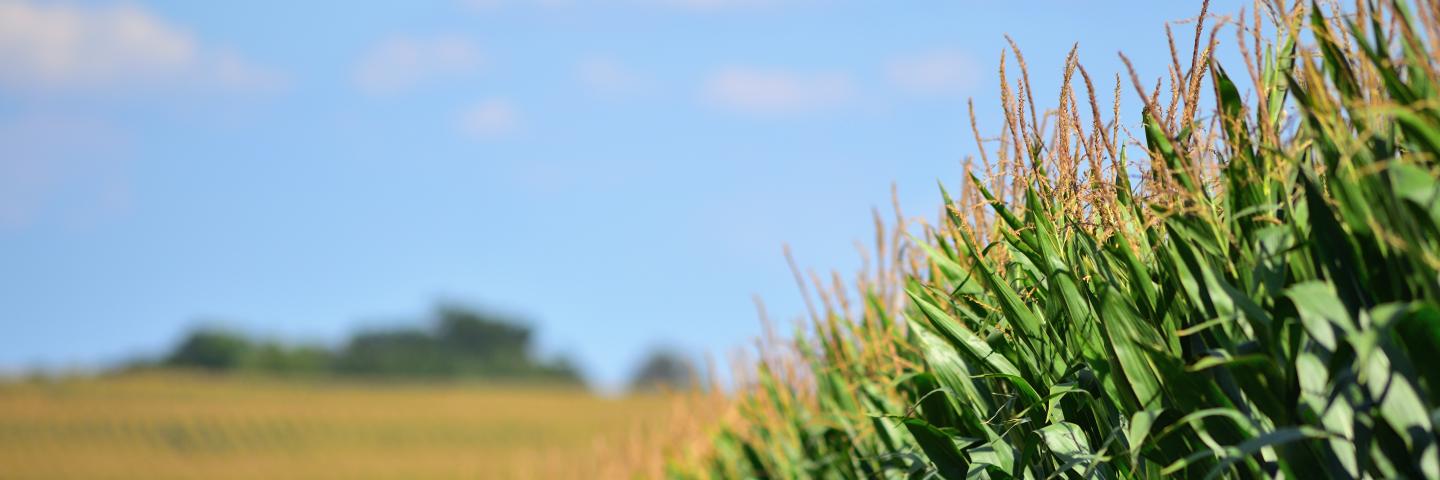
[(457, 343)]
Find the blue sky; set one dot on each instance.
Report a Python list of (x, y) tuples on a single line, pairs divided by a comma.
[(622, 173)]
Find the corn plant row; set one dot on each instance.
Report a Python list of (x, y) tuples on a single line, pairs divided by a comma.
[(1243, 284)]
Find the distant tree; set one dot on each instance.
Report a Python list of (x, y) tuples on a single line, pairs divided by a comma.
[(561, 370), (394, 352), (474, 333), (275, 358), (211, 349), (224, 350), (664, 368), (460, 343)]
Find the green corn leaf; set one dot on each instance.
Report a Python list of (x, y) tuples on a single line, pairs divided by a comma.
[(940, 448)]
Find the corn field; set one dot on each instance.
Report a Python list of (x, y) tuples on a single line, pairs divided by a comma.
[(1244, 285), (172, 425)]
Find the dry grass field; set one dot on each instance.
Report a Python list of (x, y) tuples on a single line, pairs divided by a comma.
[(169, 426)]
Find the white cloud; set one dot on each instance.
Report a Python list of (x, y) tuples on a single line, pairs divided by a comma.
[(489, 119), (401, 63), (761, 91), (61, 167), (948, 72), (74, 47), (607, 76)]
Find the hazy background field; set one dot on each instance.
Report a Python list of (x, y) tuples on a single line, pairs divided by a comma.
[(195, 426)]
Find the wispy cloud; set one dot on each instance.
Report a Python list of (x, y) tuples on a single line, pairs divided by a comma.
[(489, 119), (401, 63), (937, 73), (762, 91), (60, 166), (608, 77), (60, 47)]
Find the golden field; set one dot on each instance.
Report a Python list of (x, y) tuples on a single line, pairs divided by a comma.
[(171, 426)]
